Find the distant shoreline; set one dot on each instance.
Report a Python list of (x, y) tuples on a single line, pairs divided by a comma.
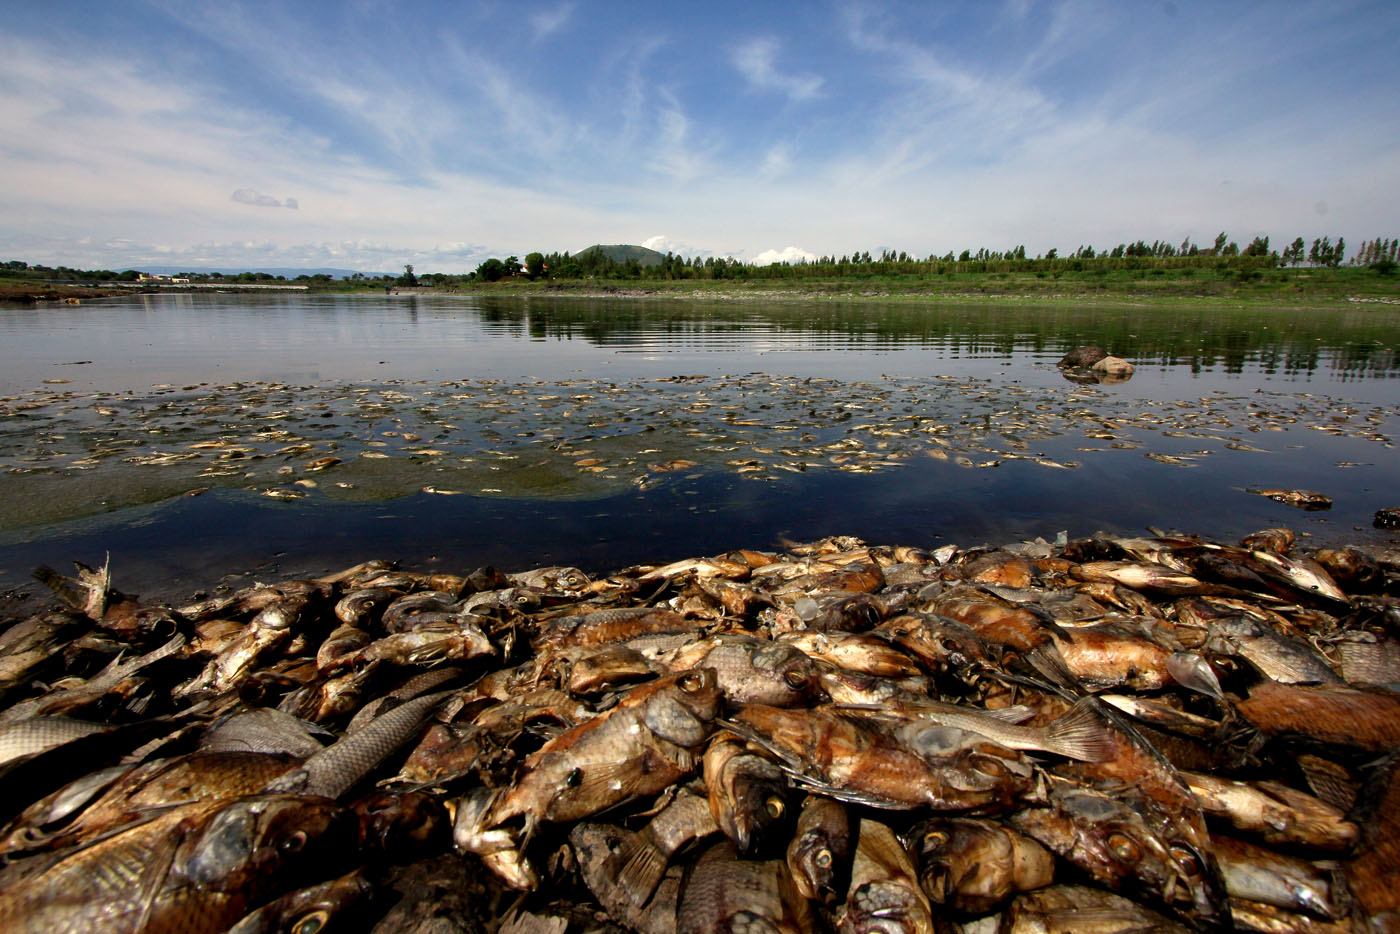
[(1297, 290)]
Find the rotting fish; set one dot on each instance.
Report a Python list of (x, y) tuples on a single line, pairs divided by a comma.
[(724, 893), (597, 849), (1340, 715), (1257, 874), (1079, 734), (819, 856), (644, 857), (639, 747), (974, 864), (195, 868), (746, 793), (750, 670), (1075, 909), (859, 759), (884, 895)]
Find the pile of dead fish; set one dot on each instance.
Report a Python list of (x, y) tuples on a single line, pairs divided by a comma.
[(1106, 735)]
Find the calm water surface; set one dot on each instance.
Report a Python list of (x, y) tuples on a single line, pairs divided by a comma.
[(606, 433)]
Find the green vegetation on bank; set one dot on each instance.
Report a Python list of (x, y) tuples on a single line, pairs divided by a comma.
[(1134, 271)]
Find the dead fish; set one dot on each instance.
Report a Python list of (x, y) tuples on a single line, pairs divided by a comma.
[(974, 865), (1152, 578), (148, 788), (598, 849), (1075, 909), (866, 653), (884, 894), (196, 868), (1261, 875), (312, 909), (1289, 661), (724, 893), (1107, 655), (1280, 815), (1303, 575), (639, 747), (859, 759), (1339, 715), (340, 766), (645, 856), (22, 738), (1079, 734), (1111, 841), (1303, 499), (747, 793), (819, 856), (750, 670), (499, 848)]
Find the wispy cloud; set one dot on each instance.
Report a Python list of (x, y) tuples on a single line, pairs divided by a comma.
[(756, 60), (547, 22)]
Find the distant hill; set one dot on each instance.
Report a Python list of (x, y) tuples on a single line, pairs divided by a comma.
[(622, 252), (289, 272)]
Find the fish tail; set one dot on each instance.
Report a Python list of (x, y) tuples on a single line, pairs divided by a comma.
[(643, 865), (1081, 734)]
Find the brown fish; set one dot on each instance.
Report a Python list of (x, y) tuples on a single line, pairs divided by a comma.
[(639, 747), (974, 865), (192, 869), (884, 895), (860, 759), (1343, 716)]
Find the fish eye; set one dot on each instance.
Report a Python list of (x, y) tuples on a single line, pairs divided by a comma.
[(795, 678), (294, 843), (823, 858), (312, 922), (1124, 848), (775, 807), (691, 683), (935, 839), (990, 767), (574, 778), (1186, 861)]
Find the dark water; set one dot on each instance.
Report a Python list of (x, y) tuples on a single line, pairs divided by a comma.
[(607, 433)]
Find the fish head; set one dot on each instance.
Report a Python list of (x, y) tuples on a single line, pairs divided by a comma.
[(976, 771), (683, 706), (1116, 845), (819, 856), (950, 850), (759, 808), (242, 846)]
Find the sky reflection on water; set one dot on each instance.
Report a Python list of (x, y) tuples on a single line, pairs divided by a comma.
[(1324, 381)]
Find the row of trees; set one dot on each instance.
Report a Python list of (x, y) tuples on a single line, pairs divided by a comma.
[(1159, 254), (1380, 254)]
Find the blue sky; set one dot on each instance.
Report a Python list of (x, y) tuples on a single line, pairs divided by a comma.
[(365, 135)]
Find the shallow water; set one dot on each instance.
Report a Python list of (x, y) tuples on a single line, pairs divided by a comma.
[(605, 433)]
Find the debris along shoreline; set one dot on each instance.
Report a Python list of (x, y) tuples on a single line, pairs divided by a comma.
[(1167, 732), (69, 453)]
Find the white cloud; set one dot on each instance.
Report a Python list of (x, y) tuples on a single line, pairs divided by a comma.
[(757, 62), (788, 254)]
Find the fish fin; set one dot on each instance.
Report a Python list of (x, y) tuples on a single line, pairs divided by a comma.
[(1048, 662), (1015, 715), (63, 586), (643, 865), (1081, 734)]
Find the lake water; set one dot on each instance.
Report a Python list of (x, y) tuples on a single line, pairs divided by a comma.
[(454, 432)]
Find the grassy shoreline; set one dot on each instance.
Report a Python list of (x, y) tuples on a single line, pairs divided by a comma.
[(1304, 287)]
